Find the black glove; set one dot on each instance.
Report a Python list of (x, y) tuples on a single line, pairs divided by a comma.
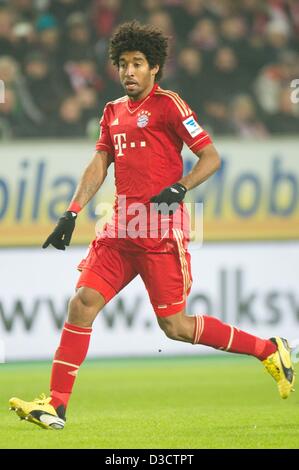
[(62, 234), (169, 198)]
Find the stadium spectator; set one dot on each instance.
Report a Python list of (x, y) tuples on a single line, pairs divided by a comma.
[(106, 14), (163, 21), (62, 9), (25, 38), (190, 77), (6, 32), (20, 105), (83, 73), (233, 32), (147, 8), (286, 119), (273, 77), (9, 116), (277, 37), (187, 14), (225, 75), (79, 43), (245, 121), (48, 41), (45, 93), (88, 101), (216, 117), (112, 86), (70, 122), (205, 36)]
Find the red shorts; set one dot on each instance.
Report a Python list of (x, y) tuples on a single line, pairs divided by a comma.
[(165, 270)]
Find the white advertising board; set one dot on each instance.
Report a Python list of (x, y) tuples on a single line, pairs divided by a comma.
[(252, 286)]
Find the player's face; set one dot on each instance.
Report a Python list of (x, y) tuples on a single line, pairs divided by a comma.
[(135, 74)]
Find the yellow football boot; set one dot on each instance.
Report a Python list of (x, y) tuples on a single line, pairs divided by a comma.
[(38, 411), (279, 365)]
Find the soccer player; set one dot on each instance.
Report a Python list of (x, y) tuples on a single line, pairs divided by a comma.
[(142, 134)]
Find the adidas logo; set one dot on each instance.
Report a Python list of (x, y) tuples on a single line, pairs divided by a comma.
[(115, 122)]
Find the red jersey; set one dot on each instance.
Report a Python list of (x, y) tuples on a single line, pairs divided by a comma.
[(145, 140)]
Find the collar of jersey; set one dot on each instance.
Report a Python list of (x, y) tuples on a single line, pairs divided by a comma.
[(139, 103)]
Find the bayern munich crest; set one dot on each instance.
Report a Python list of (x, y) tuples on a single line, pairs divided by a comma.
[(143, 118)]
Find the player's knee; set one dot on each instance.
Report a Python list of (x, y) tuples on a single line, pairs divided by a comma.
[(75, 304), (76, 311), (83, 308), (171, 330)]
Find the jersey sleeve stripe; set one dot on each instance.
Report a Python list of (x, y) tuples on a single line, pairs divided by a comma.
[(119, 100), (199, 140), (180, 100), (174, 100), (99, 145), (186, 111), (104, 110)]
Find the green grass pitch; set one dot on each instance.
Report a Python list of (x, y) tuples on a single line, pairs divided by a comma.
[(210, 402)]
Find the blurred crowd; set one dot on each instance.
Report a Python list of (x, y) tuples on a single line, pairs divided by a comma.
[(233, 61)]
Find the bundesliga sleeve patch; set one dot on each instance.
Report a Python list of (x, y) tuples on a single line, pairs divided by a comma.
[(192, 126)]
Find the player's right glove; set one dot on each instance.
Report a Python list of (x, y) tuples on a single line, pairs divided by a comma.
[(167, 201), (62, 234)]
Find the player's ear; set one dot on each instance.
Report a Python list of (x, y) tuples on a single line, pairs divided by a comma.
[(155, 70)]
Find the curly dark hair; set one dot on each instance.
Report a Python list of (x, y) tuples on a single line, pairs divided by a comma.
[(147, 39)]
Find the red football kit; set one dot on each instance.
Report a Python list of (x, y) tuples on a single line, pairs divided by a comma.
[(145, 140)]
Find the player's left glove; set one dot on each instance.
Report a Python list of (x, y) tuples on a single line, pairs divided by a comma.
[(166, 202)]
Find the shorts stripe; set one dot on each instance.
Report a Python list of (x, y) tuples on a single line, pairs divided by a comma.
[(178, 234), (182, 260)]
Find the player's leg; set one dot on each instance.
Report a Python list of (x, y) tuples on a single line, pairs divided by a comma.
[(167, 277), (84, 307), (74, 341), (210, 331), (72, 350), (103, 268)]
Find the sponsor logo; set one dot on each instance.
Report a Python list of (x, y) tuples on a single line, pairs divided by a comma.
[(192, 126), (120, 143), (115, 122), (143, 118)]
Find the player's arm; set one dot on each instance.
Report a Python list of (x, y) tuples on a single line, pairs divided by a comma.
[(92, 179), (199, 142), (209, 162), (90, 182)]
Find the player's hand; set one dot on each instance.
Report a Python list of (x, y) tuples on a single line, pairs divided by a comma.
[(62, 234), (167, 201)]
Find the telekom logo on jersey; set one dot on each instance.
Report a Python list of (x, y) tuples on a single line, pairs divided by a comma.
[(120, 143)]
